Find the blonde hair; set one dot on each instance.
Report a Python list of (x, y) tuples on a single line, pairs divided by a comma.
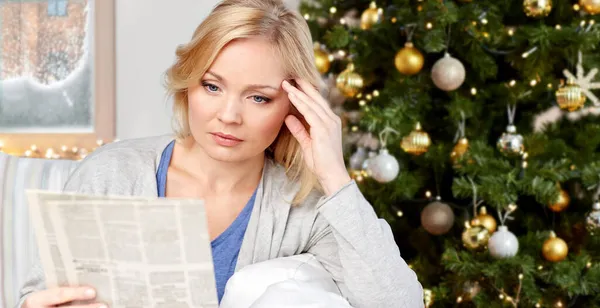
[(232, 20)]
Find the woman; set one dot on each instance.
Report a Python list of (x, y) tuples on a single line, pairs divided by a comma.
[(259, 144)]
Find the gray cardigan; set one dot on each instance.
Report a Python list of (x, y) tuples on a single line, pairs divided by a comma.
[(342, 231)]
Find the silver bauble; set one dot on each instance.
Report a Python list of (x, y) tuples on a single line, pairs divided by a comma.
[(503, 243), (448, 73), (592, 220), (511, 143), (383, 167)]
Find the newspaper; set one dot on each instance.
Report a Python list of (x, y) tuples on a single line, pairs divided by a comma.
[(136, 252)]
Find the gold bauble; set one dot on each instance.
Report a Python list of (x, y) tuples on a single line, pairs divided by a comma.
[(475, 237), (409, 60), (427, 297), (370, 17), (554, 249), (322, 61), (417, 142), (484, 219), (590, 6), (561, 203), (460, 148), (349, 82), (570, 97), (537, 8)]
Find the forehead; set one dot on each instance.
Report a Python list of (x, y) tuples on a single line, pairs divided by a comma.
[(249, 61)]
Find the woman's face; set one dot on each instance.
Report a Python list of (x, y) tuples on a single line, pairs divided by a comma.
[(238, 107)]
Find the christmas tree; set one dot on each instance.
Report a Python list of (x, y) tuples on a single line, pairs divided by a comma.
[(473, 127)]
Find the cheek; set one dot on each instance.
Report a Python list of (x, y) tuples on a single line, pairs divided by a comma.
[(196, 110), (270, 124)]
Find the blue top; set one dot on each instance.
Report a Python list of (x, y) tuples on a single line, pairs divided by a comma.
[(226, 247)]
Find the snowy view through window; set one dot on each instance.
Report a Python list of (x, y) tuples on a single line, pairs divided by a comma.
[(45, 66)]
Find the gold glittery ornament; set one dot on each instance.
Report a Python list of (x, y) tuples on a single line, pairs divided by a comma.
[(417, 142), (349, 82), (475, 237), (570, 97), (537, 8)]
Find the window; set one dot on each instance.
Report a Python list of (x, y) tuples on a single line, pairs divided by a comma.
[(57, 7)]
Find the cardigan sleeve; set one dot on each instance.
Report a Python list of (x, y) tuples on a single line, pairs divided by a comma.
[(359, 250)]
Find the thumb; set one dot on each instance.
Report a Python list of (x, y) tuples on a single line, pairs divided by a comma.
[(298, 131)]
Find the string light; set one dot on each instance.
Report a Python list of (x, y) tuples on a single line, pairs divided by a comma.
[(342, 21), (558, 27), (576, 7), (394, 20), (331, 57), (540, 267), (362, 102), (376, 93), (484, 21), (369, 97), (333, 10), (429, 25), (399, 213), (511, 31), (550, 86), (501, 296), (538, 305), (529, 52), (354, 128), (559, 303), (306, 16), (512, 83), (533, 82), (428, 194), (520, 276), (473, 91), (459, 299), (588, 265)]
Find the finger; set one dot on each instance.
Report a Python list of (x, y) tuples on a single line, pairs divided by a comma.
[(315, 95), (306, 100), (298, 131), (57, 296), (309, 113)]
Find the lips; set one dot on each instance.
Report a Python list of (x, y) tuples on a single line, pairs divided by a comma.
[(226, 136), (226, 140)]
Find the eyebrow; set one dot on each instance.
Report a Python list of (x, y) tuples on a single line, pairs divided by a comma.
[(251, 86)]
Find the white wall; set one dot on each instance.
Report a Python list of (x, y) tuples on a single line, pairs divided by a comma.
[(147, 33)]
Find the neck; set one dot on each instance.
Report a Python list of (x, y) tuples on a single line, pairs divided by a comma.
[(221, 176)]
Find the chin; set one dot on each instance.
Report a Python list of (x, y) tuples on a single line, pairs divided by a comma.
[(231, 154)]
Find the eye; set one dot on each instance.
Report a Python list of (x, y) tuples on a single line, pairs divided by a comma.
[(210, 87), (260, 99)]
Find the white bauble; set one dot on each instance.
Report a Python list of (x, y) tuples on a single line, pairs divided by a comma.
[(383, 167), (503, 243), (358, 158), (448, 73)]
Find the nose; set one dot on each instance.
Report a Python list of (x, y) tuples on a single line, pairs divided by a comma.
[(231, 111)]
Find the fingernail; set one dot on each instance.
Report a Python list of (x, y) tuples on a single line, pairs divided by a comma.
[(90, 293)]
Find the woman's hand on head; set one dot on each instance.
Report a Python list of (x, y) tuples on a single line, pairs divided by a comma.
[(322, 143), (62, 297)]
